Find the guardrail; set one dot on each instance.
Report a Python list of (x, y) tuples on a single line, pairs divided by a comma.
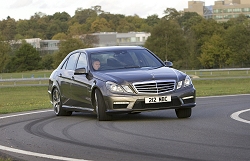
[(225, 69), (23, 82), (230, 72)]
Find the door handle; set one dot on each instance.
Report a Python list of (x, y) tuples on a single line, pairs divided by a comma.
[(73, 77)]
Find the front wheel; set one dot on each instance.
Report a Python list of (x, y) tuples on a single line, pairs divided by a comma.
[(183, 113), (100, 107), (57, 104)]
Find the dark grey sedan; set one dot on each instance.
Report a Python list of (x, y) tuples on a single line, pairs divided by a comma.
[(119, 79)]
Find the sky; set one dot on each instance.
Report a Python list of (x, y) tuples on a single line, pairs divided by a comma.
[(24, 9)]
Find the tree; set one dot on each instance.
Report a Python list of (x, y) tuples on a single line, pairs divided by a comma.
[(152, 20), (77, 29), (62, 17), (52, 30), (188, 19), (235, 21), (66, 47), (81, 15), (26, 58), (136, 21), (171, 13), (198, 31), (168, 42), (125, 26), (22, 28), (100, 25), (60, 36), (4, 51), (112, 19), (238, 38), (8, 28), (47, 62), (215, 53)]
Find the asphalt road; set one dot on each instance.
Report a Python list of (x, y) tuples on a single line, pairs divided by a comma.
[(218, 130)]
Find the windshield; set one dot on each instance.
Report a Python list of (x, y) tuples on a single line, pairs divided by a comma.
[(121, 59)]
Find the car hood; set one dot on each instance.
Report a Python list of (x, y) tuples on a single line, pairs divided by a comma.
[(139, 75)]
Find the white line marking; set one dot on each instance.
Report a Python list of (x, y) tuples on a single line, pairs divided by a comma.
[(38, 154), (21, 114), (236, 117), (54, 157), (224, 96)]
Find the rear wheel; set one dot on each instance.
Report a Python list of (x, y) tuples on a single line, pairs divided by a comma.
[(183, 113), (100, 107), (57, 104)]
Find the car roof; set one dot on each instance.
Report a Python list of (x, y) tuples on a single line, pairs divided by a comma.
[(108, 48)]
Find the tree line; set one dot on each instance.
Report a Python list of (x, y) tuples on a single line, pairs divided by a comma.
[(185, 38)]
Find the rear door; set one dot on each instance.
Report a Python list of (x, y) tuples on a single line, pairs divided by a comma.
[(66, 76)]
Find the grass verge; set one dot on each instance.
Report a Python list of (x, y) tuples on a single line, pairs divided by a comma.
[(23, 98), (222, 87)]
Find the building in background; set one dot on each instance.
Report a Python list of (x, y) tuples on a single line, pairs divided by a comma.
[(48, 46), (103, 39), (121, 39), (222, 10), (44, 46)]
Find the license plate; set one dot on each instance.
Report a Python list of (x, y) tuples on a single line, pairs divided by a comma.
[(158, 99)]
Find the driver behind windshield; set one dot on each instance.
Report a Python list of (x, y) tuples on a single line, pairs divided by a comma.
[(96, 64)]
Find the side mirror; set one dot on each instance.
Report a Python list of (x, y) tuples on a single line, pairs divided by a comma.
[(169, 64), (80, 71)]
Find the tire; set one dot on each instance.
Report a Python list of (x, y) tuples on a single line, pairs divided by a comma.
[(100, 107), (183, 113), (57, 104)]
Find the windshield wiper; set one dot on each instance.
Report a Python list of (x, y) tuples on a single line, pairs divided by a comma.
[(132, 66)]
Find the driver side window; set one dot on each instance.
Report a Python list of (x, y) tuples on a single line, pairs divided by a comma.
[(71, 62), (82, 61)]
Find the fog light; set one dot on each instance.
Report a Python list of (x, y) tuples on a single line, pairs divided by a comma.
[(121, 103), (185, 98)]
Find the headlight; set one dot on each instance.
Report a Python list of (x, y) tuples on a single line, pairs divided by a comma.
[(185, 83), (113, 87), (179, 85), (127, 89)]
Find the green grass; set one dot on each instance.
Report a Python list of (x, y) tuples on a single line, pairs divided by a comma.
[(222, 87), (17, 99)]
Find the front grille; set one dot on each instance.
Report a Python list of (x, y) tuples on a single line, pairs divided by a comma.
[(154, 87)]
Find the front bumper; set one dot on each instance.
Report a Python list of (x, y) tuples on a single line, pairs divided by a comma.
[(184, 98)]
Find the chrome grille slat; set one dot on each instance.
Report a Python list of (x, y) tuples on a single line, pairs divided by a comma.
[(154, 87)]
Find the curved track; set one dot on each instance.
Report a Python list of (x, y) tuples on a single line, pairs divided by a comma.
[(219, 129)]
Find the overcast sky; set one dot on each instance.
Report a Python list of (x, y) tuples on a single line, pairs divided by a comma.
[(24, 9)]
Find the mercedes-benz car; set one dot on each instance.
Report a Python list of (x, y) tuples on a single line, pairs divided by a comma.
[(117, 80)]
